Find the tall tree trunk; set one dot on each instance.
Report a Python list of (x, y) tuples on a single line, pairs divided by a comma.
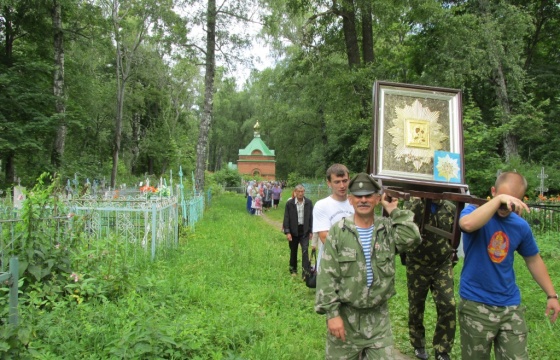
[(118, 118), (206, 119), (218, 161), (58, 85), (367, 32), (495, 55), (9, 168), (509, 140), (136, 119), (348, 14), (124, 60), (9, 38), (150, 165), (9, 35)]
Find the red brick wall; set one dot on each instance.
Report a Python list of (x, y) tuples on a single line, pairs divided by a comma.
[(248, 165)]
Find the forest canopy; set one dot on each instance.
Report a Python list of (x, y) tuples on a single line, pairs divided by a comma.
[(120, 89)]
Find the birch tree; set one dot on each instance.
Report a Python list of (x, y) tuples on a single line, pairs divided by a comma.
[(223, 24), (58, 83)]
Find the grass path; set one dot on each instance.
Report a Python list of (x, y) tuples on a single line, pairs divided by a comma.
[(238, 275), (269, 313), (293, 302), (226, 293), (276, 224)]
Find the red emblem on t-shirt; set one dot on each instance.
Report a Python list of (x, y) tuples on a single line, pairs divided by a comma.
[(498, 247)]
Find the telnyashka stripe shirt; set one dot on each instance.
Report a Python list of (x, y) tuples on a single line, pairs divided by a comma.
[(366, 235)]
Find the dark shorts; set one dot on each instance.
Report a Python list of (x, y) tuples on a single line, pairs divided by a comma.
[(276, 201)]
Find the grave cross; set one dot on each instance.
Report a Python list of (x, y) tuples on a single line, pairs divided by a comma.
[(171, 182), (542, 176)]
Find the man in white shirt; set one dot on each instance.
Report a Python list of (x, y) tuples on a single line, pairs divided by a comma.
[(329, 210)]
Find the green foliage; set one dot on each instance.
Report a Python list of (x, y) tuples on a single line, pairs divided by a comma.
[(314, 108), (227, 177), (42, 258), (480, 150), (294, 178), (237, 303)]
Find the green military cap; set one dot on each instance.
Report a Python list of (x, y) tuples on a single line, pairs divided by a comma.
[(363, 184)]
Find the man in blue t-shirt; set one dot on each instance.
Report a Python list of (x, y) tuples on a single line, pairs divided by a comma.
[(489, 308)]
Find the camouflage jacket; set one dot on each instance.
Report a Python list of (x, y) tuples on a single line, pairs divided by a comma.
[(434, 249), (341, 277)]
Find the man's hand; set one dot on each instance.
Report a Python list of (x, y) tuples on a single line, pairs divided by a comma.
[(552, 309), (289, 236), (336, 327), (389, 203), (513, 204)]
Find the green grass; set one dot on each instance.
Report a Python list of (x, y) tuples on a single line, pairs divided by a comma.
[(542, 343), (227, 294)]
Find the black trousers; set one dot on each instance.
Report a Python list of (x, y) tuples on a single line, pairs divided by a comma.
[(303, 240)]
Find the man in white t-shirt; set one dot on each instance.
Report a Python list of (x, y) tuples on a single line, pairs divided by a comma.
[(329, 210)]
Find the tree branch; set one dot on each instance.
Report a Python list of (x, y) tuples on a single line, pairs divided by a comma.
[(239, 17), (324, 13), (193, 45)]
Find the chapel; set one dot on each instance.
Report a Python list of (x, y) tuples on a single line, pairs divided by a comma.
[(257, 159)]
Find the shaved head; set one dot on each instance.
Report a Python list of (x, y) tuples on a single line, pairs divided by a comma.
[(511, 183)]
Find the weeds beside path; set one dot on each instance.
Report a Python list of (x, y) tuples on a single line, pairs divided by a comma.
[(225, 294)]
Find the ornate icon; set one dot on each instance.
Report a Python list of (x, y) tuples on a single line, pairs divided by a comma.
[(416, 134)]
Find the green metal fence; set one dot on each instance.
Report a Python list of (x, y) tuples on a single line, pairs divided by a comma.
[(544, 217), (142, 224), (10, 280), (316, 192)]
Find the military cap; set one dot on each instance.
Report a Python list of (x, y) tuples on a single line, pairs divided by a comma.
[(363, 184)]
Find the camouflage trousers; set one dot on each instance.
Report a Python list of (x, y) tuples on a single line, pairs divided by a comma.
[(438, 280), (368, 335), (483, 325)]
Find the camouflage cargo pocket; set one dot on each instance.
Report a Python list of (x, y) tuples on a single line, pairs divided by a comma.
[(385, 264), (348, 262)]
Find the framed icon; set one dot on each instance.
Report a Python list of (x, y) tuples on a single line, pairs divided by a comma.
[(411, 123)]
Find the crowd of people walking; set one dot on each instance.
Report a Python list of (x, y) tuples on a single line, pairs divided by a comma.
[(263, 196), (356, 265)]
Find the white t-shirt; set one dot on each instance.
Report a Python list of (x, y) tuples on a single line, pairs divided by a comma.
[(326, 212)]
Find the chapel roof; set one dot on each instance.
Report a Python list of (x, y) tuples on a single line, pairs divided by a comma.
[(256, 144)]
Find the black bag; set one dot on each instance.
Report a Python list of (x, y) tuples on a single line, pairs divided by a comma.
[(311, 273)]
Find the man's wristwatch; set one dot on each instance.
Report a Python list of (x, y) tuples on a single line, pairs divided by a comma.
[(555, 296)]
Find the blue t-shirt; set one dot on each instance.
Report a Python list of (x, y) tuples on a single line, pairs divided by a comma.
[(487, 276)]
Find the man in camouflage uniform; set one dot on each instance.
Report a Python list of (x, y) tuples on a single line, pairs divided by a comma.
[(429, 267), (357, 274)]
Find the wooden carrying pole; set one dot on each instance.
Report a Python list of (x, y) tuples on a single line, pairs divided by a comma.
[(461, 199)]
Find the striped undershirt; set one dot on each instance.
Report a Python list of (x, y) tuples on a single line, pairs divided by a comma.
[(366, 234)]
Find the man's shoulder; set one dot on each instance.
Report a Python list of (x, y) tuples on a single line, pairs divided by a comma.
[(345, 222), (329, 202), (343, 228)]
